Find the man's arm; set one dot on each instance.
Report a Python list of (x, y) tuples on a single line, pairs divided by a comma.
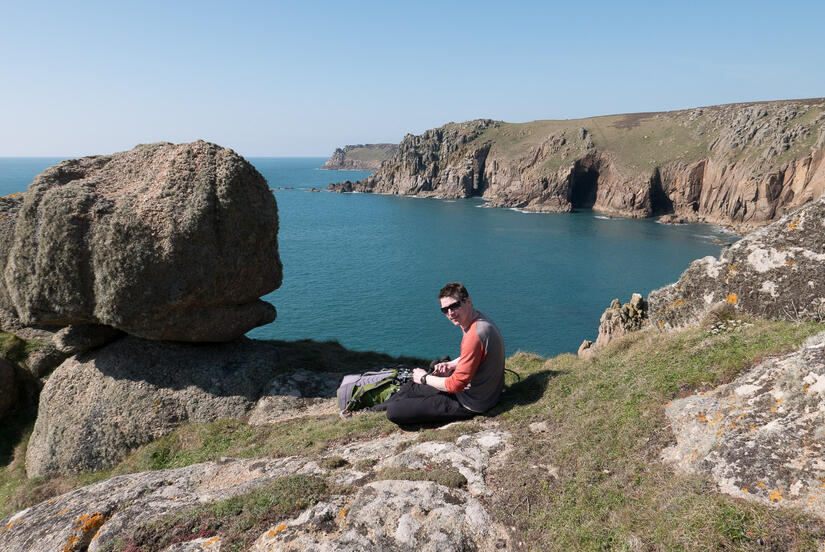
[(432, 379)]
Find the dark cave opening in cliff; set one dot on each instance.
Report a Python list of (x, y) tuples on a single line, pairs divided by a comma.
[(584, 181), (660, 203)]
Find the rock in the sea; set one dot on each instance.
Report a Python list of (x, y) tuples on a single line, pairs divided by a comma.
[(173, 242), (617, 321), (760, 437), (96, 407), (775, 272)]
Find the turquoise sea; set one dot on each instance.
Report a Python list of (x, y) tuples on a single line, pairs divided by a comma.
[(365, 269)]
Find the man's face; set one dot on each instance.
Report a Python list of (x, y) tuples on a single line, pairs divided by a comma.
[(458, 311)]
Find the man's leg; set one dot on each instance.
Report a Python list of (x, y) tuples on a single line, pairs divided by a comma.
[(421, 404)]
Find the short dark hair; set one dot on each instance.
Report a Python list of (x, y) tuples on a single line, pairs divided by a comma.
[(454, 289)]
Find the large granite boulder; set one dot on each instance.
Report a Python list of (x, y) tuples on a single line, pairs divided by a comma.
[(775, 272), (96, 407), (173, 242), (760, 437)]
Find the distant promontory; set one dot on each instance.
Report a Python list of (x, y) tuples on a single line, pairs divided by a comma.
[(360, 157), (740, 165)]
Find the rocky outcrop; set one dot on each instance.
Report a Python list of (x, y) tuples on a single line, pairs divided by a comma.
[(775, 272), (97, 407), (444, 162), (9, 209), (361, 157), (760, 436), (382, 514), (741, 165), (174, 242), (616, 321)]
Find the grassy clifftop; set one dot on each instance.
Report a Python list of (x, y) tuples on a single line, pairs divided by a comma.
[(583, 473), (646, 140)]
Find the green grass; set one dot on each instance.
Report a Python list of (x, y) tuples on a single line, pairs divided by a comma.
[(606, 429), (590, 480), (194, 443), (443, 475), (15, 349)]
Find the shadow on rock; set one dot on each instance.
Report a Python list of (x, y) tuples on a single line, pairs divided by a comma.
[(96, 407)]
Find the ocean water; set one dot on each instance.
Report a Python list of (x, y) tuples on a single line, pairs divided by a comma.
[(365, 269)]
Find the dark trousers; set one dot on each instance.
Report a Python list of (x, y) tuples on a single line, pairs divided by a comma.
[(422, 404)]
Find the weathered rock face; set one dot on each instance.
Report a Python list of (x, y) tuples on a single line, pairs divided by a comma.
[(361, 157), (95, 408), (616, 321), (443, 162), (174, 242), (760, 437), (381, 515), (775, 272), (741, 164), (9, 208)]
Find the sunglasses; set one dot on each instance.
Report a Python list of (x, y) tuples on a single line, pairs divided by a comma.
[(454, 306)]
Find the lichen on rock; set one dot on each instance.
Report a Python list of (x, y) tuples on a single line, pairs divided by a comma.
[(775, 272)]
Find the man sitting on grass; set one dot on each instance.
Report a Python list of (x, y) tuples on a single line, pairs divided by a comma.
[(461, 388)]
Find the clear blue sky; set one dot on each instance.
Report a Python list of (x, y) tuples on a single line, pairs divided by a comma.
[(301, 78)]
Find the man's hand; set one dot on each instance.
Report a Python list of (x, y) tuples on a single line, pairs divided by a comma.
[(443, 368), (418, 373)]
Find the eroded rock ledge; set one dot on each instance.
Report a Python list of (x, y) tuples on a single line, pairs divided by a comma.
[(380, 515), (740, 165)]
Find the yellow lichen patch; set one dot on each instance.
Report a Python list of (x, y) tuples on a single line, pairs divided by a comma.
[(790, 262), (61, 512), (702, 417), (775, 496), (9, 526), (83, 526), (720, 432), (805, 387), (760, 484), (276, 530), (342, 512), (745, 490), (792, 224), (732, 299), (773, 409), (678, 303), (210, 542)]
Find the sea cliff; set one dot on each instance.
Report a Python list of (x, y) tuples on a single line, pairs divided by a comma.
[(739, 165), (360, 157)]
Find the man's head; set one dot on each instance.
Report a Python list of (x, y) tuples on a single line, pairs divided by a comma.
[(456, 304)]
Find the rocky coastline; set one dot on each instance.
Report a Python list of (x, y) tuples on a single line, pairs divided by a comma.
[(359, 157), (134, 381), (737, 165)]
